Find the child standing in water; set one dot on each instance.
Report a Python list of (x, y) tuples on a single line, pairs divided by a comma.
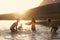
[(33, 25)]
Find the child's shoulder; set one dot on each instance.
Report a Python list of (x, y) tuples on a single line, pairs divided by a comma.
[(51, 24)]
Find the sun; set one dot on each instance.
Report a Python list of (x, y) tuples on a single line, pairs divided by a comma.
[(20, 6)]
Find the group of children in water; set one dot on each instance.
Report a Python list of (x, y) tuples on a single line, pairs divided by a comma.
[(14, 28)]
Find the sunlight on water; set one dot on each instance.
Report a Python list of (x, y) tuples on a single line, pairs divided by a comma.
[(42, 32), (23, 24), (5, 24)]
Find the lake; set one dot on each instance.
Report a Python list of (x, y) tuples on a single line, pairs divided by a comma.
[(42, 31)]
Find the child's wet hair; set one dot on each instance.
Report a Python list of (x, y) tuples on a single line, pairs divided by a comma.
[(49, 20)]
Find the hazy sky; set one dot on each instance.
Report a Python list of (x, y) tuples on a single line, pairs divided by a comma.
[(20, 6), (10, 6)]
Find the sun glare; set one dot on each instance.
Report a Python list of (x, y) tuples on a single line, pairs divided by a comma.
[(20, 6)]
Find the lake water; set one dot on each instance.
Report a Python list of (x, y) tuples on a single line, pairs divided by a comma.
[(42, 32)]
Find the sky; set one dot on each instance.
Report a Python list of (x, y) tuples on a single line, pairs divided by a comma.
[(21, 6), (18, 6)]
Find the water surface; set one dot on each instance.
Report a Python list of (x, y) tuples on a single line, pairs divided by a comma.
[(42, 32)]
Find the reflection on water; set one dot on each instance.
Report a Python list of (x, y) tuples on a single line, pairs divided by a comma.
[(42, 32), (5, 24)]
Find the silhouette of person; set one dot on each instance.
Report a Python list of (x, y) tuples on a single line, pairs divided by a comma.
[(13, 27), (33, 25), (54, 27)]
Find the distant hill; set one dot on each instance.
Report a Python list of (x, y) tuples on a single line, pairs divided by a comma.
[(46, 11), (7, 17), (41, 12)]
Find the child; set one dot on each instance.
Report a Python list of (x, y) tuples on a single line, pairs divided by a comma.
[(20, 27), (13, 28), (33, 25), (54, 27)]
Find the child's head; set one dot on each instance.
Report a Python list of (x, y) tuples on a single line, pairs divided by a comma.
[(18, 19), (49, 20)]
